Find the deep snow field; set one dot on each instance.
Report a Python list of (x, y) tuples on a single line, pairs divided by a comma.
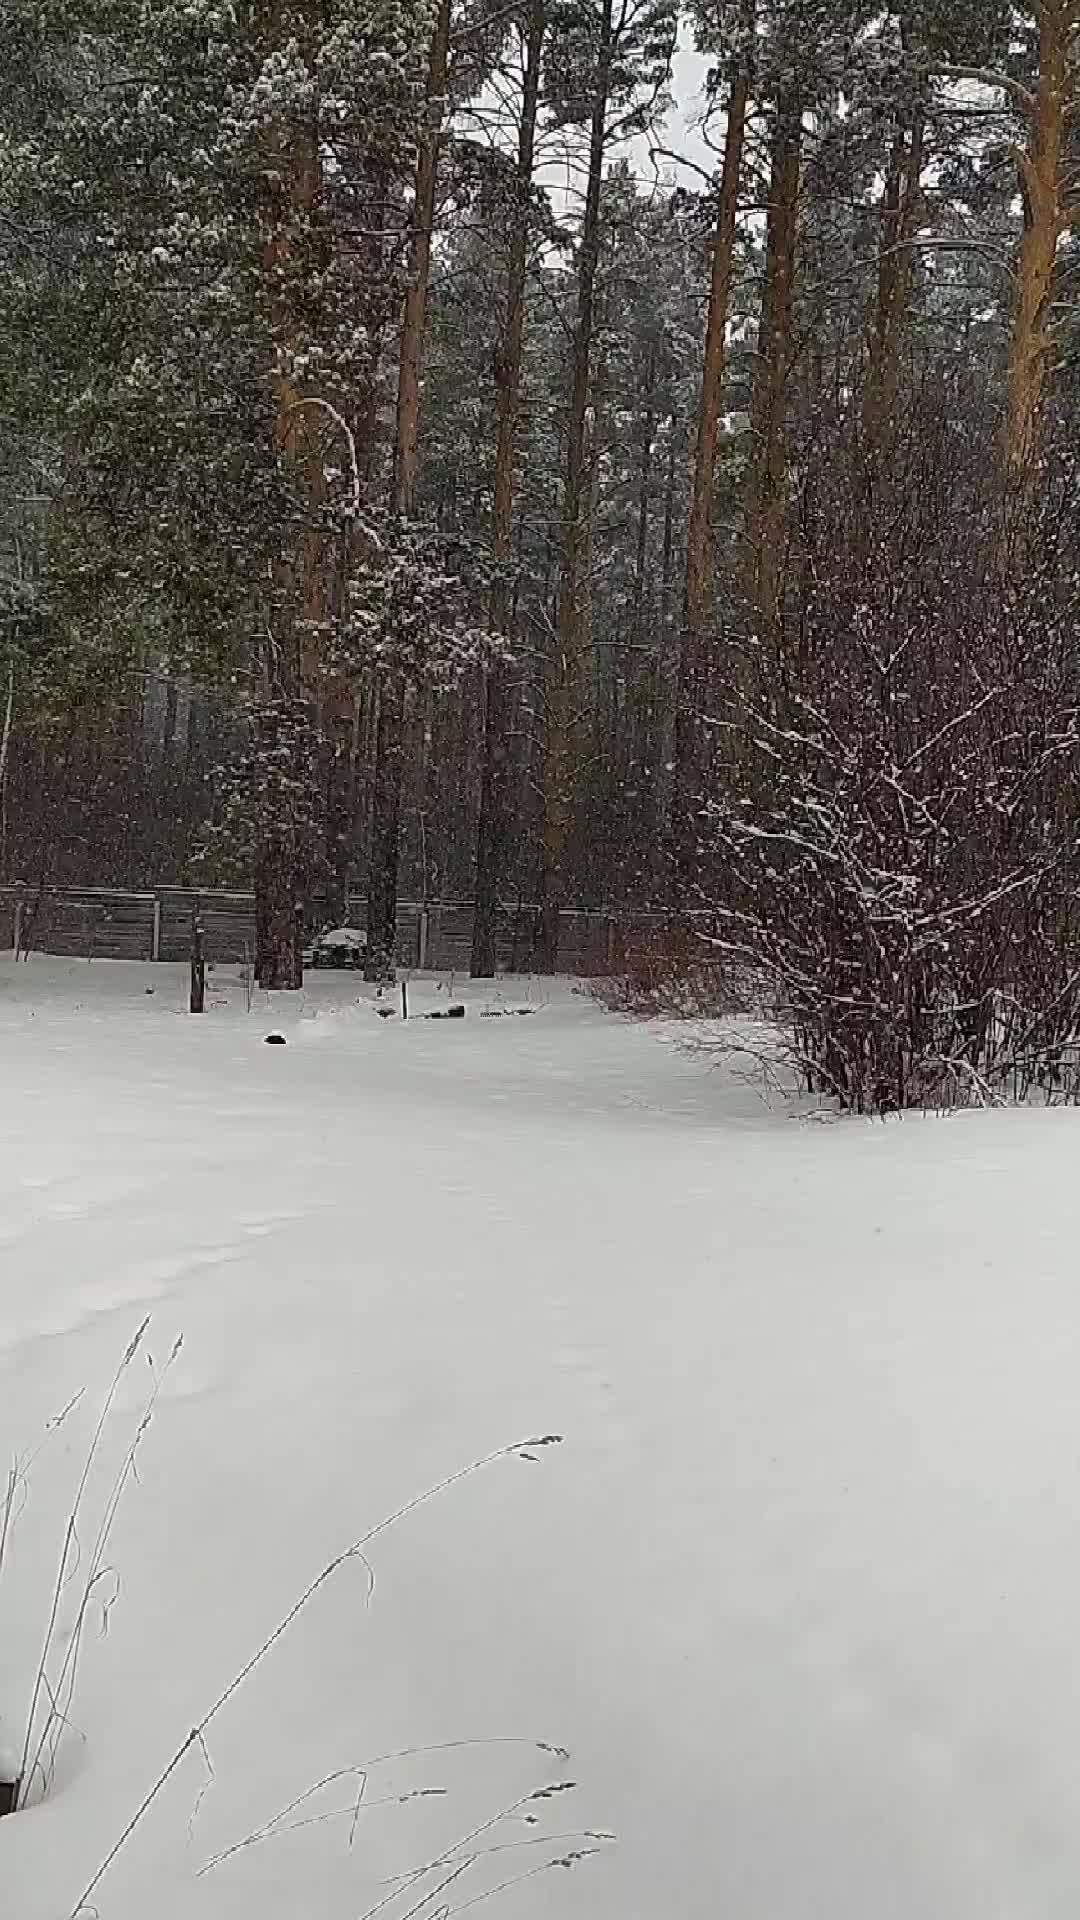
[(800, 1590)]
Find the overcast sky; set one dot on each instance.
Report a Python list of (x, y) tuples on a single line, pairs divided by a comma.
[(563, 167), (679, 132)]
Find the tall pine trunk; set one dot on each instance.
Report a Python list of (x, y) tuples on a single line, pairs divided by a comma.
[(901, 204), (767, 476), (565, 679), (291, 269), (697, 614), (667, 677), (406, 441), (644, 500), (385, 829), (278, 920), (389, 750), (1041, 182), (492, 823)]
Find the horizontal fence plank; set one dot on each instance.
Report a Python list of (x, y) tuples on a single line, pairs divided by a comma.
[(114, 924)]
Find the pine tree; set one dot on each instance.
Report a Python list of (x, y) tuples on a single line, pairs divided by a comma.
[(520, 225), (732, 34), (209, 349), (608, 69)]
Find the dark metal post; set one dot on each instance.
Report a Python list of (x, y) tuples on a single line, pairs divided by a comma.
[(198, 962)]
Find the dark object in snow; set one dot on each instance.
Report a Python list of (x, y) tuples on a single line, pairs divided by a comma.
[(505, 1013), (9, 1796), (385, 1013), (197, 1001), (447, 1013), (275, 1040), (148, 989)]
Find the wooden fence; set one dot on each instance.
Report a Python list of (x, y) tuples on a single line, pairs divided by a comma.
[(109, 924)]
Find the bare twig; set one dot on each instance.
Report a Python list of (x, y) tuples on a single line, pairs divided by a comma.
[(355, 1552), (69, 1548)]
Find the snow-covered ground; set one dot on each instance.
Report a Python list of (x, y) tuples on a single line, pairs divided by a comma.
[(800, 1590)]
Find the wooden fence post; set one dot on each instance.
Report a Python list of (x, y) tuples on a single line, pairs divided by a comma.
[(198, 962), (155, 937), (16, 930), (422, 927)]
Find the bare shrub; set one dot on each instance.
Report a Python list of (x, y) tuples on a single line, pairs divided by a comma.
[(894, 863), (85, 1575), (674, 972), (449, 1865), (84, 1578)]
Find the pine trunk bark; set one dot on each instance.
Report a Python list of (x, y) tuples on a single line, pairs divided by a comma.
[(340, 724), (406, 440), (668, 680), (384, 852), (279, 960), (385, 832), (698, 545), (644, 503), (565, 668), (491, 826), (901, 206), (697, 611), (1041, 183), (766, 485), (300, 574), (172, 708), (5, 751), (492, 822)]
